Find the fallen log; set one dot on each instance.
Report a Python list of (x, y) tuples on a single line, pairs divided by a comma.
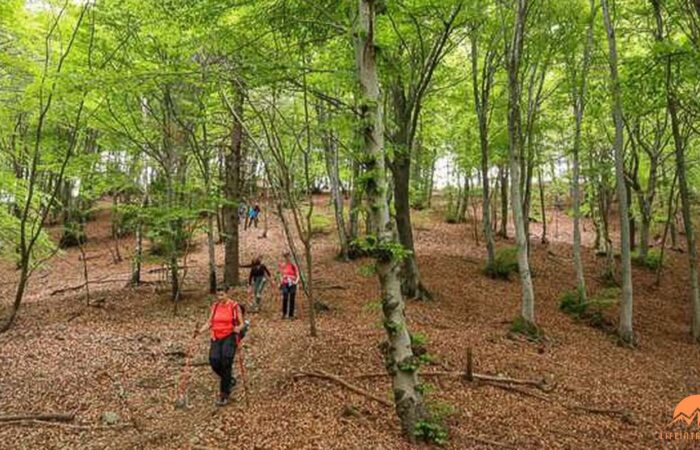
[(329, 376), (47, 417)]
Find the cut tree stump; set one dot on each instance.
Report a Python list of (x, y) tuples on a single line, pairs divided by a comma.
[(329, 376)]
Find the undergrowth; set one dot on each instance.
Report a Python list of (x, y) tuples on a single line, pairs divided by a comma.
[(504, 263), (591, 311)]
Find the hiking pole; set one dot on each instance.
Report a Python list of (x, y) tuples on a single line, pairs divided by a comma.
[(244, 376), (181, 400)]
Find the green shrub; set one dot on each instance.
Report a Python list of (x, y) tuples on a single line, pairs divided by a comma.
[(432, 428), (505, 263), (320, 224), (431, 432), (526, 328), (572, 303), (451, 216), (592, 311), (368, 270), (651, 262)]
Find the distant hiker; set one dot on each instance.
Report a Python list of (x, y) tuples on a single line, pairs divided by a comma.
[(253, 212), (225, 325), (259, 275), (256, 208), (289, 278), (242, 216)]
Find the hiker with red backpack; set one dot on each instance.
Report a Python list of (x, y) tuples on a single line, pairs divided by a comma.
[(289, 278), (227, 328)]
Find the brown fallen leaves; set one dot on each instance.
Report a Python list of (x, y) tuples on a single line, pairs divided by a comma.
[(123, 356)]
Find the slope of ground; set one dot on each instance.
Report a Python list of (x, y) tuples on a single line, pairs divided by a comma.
[(122, 357)]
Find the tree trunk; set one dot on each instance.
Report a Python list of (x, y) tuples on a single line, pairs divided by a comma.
[(579, 101), (515, 153), (430, 185), (232, 188), (331, 159), (482, 106), (463, 200), (540, 183), (19, 293), (211, 250), (355, 202), (625, 326), (503, 176), (680, 145), (400, 360), (411, 282)]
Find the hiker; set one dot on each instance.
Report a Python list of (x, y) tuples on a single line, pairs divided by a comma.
[(256, 208), (252, 217), (225, 325), (289, 278), (242, 217), (259, 275)]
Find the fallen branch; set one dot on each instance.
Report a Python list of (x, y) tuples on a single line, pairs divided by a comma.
[(624, 414), (539, 384), (328, 376), (46, 417), (66, 425), (194, 363), (82, 285), (487, 441), (510, 387)]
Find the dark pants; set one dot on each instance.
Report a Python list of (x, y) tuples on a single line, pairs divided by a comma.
[(221, 355), (289, 293)]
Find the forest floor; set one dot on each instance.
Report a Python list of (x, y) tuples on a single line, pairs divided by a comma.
[(122, 356)]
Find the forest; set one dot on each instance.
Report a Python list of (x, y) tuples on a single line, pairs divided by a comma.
[(486, 211)]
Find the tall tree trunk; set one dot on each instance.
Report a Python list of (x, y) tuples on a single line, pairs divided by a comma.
[(482, 105), (680, 145), (232, 193), (355, 202), (411, 281), (578, 97), (331, 158), (543, 210), (135, 278), (503, 177), (463, 203), (211, 249), (430, 183), (400, 360), (514, 52), (686, 203), (672, 205), (625, 326)]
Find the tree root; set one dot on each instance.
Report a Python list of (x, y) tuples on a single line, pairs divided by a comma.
[(328, 376)]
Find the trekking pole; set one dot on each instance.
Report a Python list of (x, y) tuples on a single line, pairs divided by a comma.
[(244, 376), (181, 400)]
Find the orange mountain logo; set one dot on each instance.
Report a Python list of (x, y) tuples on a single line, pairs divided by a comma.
[(685, 425), (687, 411)]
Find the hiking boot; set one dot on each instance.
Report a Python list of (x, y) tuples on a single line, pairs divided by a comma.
[(223, 400)]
